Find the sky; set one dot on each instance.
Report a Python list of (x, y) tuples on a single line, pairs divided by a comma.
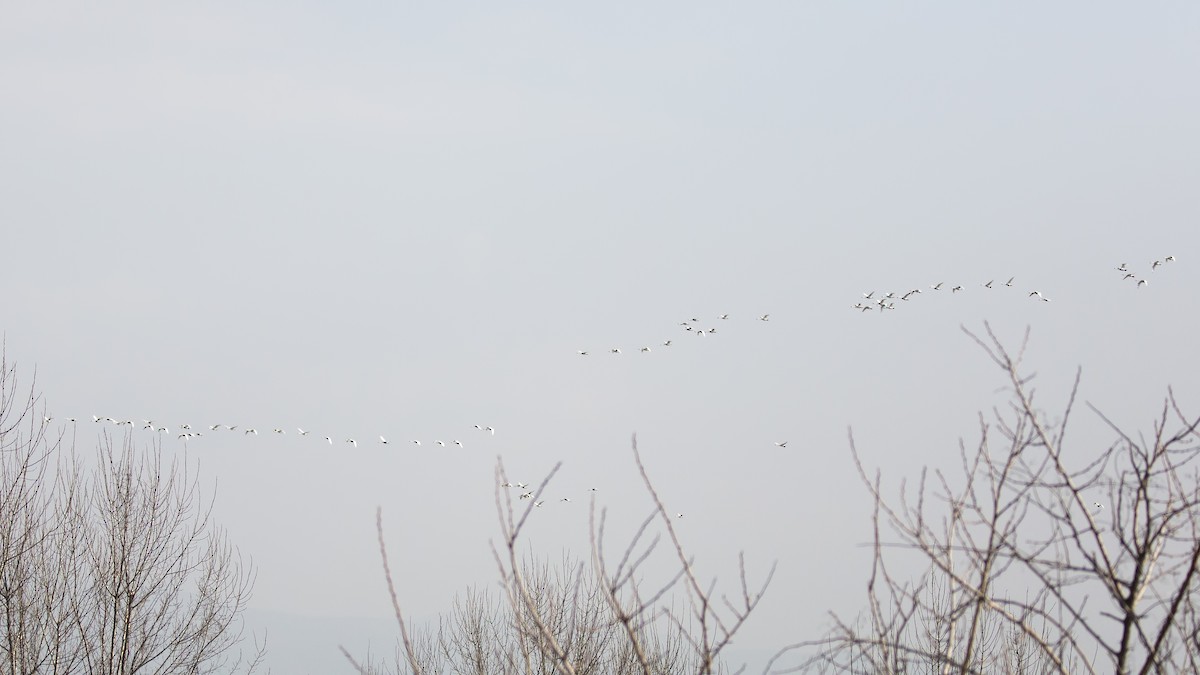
[(407, 219)]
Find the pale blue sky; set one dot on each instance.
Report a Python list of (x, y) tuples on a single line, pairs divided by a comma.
[(405, 220)]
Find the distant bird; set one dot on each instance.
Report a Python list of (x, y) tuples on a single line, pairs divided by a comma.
[(507, 485), (937, 286), (214, 427), (353, 442), (565, 499), (278, 431), (329, 440), (478, 427), (583, 352), (866, 308), (47, 418), (765, 317), (231, 428), (1128, 275), (1009, 282), (163, 430), (678, 515), (1098, 505), (383, 440), (526, 495), (723, 316), (868, 295), (1123, 267), (667, 343), (416, 442), (956, 289), (614, 350), (1039, 295), (490, 430), (1142, 282), (538, 504), (646, 349), (592, 490), (458, 443), (95, 418), (185, 426), (71, 419), (1156, 264), (782, 444), (1169, 258), (440, 443), (248, 431), (301, 431), (988, 284)]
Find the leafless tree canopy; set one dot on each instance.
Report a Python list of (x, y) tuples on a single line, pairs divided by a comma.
[(113, 569), (1037, 557), (576, 618)]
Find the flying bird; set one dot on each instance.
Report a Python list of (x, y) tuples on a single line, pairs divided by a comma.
[(765, 317), (1169, 258), (583, 352), (458, 443), (647, 349), (1123, 267), (416, 442), (667, 343), (1156, 264), (723, 316), (937, 286), (248, 431), (614, 350), (329, 439), (301, 431), (988, 284), (440, 443), (353, 442), (383, 440), (278, 431), (956, 289), (490, 430), (1142, 282), (782, 444), (1009, 282)]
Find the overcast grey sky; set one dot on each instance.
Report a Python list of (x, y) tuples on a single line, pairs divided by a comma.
[(406, 219)]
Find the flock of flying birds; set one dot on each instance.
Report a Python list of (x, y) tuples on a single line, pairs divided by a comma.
[(885, 301), (877, 301), (690, 326), (185, 432)]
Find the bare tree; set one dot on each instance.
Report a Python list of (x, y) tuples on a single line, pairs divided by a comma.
[(574, 618), (1036, 558), (112, 566)]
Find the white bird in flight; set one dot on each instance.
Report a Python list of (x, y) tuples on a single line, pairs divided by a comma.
[(1039, 295), (490, 430), (416, 442), (353, 442), (301, 431), (248, 431), (782, 444), (765, 317), (329, 439), (582, 352), (278, 431), (383, 440), (458, 443), (440, 443), (614, 350)]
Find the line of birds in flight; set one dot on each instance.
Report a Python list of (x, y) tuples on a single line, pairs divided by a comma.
[(186, 432), (886, 301), (689, 326)]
